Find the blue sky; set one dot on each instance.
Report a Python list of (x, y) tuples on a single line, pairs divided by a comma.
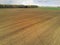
[(32, 2)]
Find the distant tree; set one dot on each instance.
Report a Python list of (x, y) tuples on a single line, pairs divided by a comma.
[(18, 6)]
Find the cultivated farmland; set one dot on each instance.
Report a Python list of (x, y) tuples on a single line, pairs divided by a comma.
[(29, 26)]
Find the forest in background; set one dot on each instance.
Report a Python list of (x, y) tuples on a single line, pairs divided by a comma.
[(18, 6)]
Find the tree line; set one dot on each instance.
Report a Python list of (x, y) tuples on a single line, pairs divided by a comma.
[(18, 6)]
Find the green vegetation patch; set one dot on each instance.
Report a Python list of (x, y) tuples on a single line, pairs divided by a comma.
[(50, 8)]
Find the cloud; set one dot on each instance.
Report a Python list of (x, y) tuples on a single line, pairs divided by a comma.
[(48, 2), (34, 2), (1, 1)]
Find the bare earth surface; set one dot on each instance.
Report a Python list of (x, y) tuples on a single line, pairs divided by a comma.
[(29, 27)]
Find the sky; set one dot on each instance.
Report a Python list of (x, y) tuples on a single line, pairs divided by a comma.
[(32, 2)]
